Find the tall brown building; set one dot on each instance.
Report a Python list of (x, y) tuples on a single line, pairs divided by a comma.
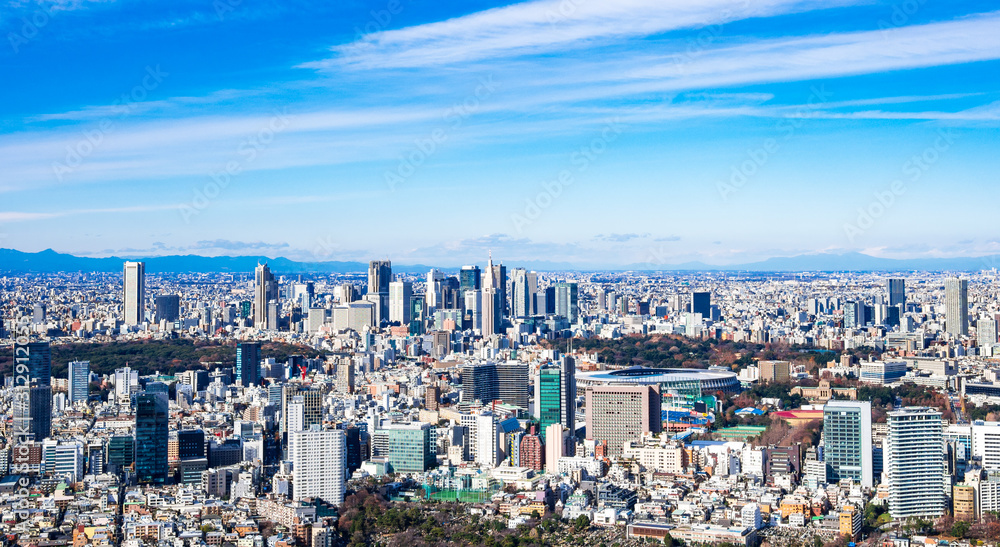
[(622, 413)]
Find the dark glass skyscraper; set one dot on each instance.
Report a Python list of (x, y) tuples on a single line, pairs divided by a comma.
[(701, 302), (897, 292), (190, 443), (32, 362), (151, 437), (168, 307), (32, 406), (470, 279), (248, 363)]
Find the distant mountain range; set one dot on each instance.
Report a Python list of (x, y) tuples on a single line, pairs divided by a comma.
[(49, 261)]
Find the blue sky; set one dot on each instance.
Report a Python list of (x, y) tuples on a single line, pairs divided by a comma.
[(583, 131)]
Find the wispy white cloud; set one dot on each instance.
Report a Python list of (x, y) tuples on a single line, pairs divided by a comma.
[(543, 26)]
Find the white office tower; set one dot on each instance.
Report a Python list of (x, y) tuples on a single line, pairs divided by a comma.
[(433, 293), (66, 459), (126, 383), (135, 292), (956, 296), (847, 438), (318, 463), (986, 443), (986, 335), (296, 418), (915, 463), (487, 452), (525, 286), (474, 307), (400, 295)]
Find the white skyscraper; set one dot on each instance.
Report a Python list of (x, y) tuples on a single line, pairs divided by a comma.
[(265, 290), (915, 463), (956, 295), (318, 464), (847, 437), (135, 292), (400, 294), (433, 290), (490, 304), (986, 443), (126, 383)]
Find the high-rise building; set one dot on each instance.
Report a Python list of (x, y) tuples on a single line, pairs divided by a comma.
[(151, 437), (512, 383), (532, 452), (492, 298), (167, 307), (479, 383), (191, 444), (915, 460), (33, 363), (379, 277), (774, 371), (701, 302), (411, 447), (956, 294), (432, 397), (121, 453), (126, 384), (265, 290), (986, 332), (38, 313), (616, 414), (524, 287), (319, 460), (135, 292), (567, 301), (32, 409), (555, 447), (400, 294), (433, 292), (897, 292), (247, 363), (853, 315), (79, 381), (986, 443), (555, 395), (469, 279), (847, 438)]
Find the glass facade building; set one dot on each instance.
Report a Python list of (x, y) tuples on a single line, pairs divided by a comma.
[(151, 437), (847, 438)]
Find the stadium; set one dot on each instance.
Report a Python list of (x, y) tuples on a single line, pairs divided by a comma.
[(672, 381)]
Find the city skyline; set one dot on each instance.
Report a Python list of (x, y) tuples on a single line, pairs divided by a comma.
[(721, 131)]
